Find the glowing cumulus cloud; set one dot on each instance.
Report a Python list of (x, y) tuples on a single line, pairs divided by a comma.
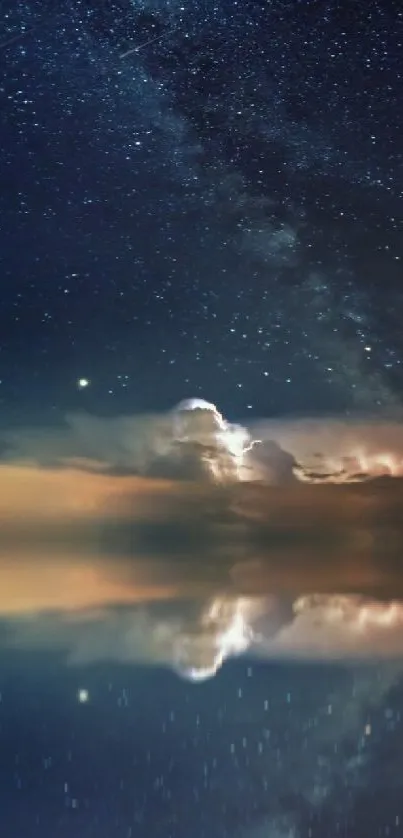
[(224, 449), (223, 444)]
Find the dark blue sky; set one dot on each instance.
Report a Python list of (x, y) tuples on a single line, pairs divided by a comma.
[(217, 214)]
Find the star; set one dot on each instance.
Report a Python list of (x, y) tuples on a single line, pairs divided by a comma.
[(83, 696), (82, 383)]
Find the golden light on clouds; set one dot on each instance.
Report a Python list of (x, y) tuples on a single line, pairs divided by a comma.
[(115, 522)]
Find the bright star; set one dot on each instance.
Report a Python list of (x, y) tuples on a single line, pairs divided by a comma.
[(83, 696), (82, 383)]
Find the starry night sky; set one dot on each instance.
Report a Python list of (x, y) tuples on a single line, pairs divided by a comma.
[(200, 200), (217, 214)]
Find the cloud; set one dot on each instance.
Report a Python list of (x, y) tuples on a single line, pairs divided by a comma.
[(359, 447), (184, 539), (188, 443)]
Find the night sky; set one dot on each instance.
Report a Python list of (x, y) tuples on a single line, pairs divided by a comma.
[(200, 200), (216, 214)]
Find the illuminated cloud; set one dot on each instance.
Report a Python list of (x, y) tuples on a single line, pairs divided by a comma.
[(223, 446), (339, 450), (190, 442)]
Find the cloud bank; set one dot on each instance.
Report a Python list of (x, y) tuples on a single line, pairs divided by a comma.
[(183, 539)]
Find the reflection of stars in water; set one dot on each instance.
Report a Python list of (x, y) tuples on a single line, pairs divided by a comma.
[(83, 696)]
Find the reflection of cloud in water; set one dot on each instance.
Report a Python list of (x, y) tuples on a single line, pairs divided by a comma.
[(196, 638)]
